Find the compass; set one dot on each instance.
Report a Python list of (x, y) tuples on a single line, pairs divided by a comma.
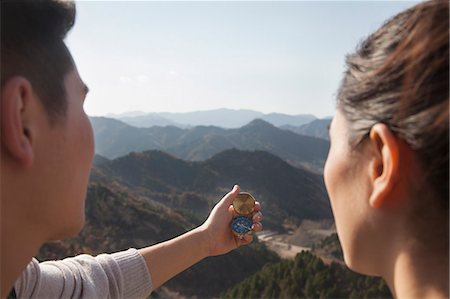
[(244, 205), (241, 225)]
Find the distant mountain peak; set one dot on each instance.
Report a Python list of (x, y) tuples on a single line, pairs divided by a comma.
[(259, 126), (258, 122)]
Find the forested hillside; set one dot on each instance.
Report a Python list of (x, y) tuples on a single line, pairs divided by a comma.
[(117, 221), (288, 194), (308, 277)]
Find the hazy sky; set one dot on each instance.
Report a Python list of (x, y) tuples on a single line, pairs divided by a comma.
[(278, 56)]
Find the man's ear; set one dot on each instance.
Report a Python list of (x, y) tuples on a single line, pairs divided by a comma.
[(17, 97), (384, 166)]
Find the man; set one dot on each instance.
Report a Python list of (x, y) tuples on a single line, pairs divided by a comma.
[(46, 155)]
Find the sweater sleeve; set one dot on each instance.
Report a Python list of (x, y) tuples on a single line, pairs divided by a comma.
[(119, 275)]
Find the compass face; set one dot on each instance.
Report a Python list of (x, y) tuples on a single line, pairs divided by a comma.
[(241, 225)]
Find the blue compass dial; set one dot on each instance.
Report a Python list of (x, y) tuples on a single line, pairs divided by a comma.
[(241, 225)]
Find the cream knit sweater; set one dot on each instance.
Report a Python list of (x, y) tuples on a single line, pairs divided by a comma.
[(119, 275)]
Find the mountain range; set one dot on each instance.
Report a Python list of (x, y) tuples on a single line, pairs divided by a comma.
[(143, 198), (289, 194), (317, 128), (114, 138), (225, 118)]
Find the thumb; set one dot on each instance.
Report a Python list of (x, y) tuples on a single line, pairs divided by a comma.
[(228, 199)]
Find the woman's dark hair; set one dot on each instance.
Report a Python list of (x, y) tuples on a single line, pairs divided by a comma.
[(399, 76), (32, 33)]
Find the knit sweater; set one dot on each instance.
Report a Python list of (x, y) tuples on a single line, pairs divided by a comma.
[(119, 275)]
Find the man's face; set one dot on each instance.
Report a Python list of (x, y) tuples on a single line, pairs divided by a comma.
[(64, 160)]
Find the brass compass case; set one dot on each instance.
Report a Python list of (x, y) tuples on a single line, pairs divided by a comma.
[(244, 205)]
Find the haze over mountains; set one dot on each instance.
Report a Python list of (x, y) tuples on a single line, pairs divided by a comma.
[(317, 128), (114, 138), (224, 118)]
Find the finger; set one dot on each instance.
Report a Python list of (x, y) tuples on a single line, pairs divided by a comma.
[(257, 227), (257, 206), (246, 239), (231, 210), (257, 217), (227, 200)]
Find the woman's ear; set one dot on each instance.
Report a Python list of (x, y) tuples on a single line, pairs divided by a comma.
[(17, 94), (384, 165)]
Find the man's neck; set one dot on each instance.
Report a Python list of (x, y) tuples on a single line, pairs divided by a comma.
[(17, 250)]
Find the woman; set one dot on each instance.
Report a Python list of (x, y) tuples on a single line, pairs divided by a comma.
[(387, 170)]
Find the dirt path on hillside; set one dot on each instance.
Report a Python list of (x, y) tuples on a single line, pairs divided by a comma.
[(301, 239), (274, 242)]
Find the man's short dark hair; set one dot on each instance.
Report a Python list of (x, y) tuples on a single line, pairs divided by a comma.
[(32, 46)]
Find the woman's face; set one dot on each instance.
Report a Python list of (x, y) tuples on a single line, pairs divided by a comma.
[(346, 180)]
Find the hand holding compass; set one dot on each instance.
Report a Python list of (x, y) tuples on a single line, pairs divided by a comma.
[(244, 206), (219, 236)]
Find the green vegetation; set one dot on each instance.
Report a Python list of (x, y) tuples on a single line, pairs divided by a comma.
[(329, 248), (117, 221), (215, 275), (308, 277)]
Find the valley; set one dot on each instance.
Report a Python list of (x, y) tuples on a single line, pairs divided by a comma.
[(275, 242), (303, 238), (147, 195)]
